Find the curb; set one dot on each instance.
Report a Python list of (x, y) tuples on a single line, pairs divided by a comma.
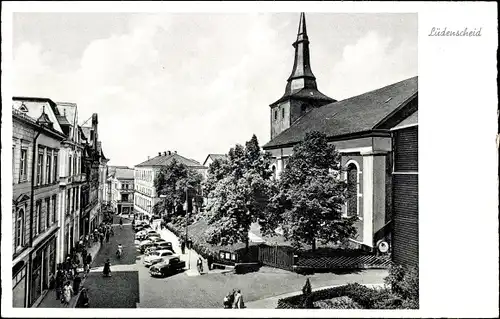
[(297, 293)]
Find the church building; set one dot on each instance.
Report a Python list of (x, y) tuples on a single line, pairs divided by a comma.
[(377, 136)]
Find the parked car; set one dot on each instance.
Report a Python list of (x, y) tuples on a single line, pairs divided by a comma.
[(140, 235), (157, 256), (158, 240), (171, 265), (153, 237), (145, 244), (161, 245)]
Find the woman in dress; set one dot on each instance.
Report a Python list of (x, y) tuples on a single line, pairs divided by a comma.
[(67, 293)]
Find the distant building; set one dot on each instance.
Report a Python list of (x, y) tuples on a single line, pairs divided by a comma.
[(144, 174), (122, 189), (210, 159), (363, 130)]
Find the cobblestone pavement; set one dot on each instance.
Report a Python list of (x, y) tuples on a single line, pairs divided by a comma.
[(121, 290)]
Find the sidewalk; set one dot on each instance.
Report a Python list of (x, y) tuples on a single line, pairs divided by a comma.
[(272, 302), (50, 301), (190, 256)]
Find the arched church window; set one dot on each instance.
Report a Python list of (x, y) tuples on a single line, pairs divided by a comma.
[(19, 228), (352, 190), (275, 115), (273, 168), (283, 113)]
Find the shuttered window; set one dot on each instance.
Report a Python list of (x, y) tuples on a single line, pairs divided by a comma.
[(406, 150)]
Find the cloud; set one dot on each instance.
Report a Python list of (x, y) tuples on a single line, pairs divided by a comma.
[(194, 83), (372, 62), (156, 90)]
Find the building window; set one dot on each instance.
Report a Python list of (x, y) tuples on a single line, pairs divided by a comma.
[(124, 197), (20, 228), (55, 167), (23, 165), (77, 198), (74, 165), (39, 168), (54, 209), (275, 115), (47, 214), (283, 113), (48, 168), (352, 190), (70, 164), (38, 218)]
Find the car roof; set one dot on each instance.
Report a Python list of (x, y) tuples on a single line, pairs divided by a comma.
[(164, 250)]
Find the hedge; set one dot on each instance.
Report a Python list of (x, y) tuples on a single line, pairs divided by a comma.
[(367, 298)]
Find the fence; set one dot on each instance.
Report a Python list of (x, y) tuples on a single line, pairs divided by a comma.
[(277, 256)]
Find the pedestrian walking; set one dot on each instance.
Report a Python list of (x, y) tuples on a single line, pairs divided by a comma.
[(107, 269), (199, 264), (76, 284), (67, 293), (89, 260), (101, 238), (84, 298), (238, 300), (121, 223), (227, 301), (107, 236), (59, 283), (210, 260), (183, 247)]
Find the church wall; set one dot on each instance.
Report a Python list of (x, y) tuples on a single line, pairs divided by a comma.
[(280, 118)]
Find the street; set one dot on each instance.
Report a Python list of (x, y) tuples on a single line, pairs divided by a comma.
[(131, 285)]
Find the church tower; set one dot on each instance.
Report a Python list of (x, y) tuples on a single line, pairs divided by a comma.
[(301, 92)]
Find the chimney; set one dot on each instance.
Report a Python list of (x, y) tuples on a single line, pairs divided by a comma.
[(169, 153), (159, 153), (164, 153), (148, 157), (175, 152)]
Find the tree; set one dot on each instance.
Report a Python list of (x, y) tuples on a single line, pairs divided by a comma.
[(310, 195), (171, 182), (239, 192), (217, 170)]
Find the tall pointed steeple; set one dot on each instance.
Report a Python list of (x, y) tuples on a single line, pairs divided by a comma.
[(301, 92), (302, 76)]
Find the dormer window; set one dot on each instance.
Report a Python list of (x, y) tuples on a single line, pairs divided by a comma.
[(23, 108)]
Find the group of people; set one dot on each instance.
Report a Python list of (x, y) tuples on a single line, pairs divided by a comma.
[(234, 299), (104, 231)]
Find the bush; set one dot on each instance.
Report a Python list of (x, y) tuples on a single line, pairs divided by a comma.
[(404, 283)]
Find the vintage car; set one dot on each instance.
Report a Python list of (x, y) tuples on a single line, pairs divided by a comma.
[(144, 244), (140, 235), (171, 265), (157, 256), (161, 245)]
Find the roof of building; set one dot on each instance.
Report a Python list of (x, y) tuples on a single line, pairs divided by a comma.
[(214, 157), (353, 115), (69, 111), (124, 173), (162, 160), (62, 120), (34, 107), (409, 121)]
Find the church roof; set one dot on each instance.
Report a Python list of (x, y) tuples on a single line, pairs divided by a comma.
[(163, 160), (409, 121), (357, 114)]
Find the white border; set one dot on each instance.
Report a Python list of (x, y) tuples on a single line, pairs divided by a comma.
[(457, 98)]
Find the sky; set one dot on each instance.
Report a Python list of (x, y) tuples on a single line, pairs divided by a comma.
[(198, 83)]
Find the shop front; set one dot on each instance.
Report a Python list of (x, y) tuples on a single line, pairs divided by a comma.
[(43, 267), (19, 272)]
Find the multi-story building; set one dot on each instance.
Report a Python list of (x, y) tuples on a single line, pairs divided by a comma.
[(36, 202), (122, 189), (71, 176), (93, 161), (145, 196)]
